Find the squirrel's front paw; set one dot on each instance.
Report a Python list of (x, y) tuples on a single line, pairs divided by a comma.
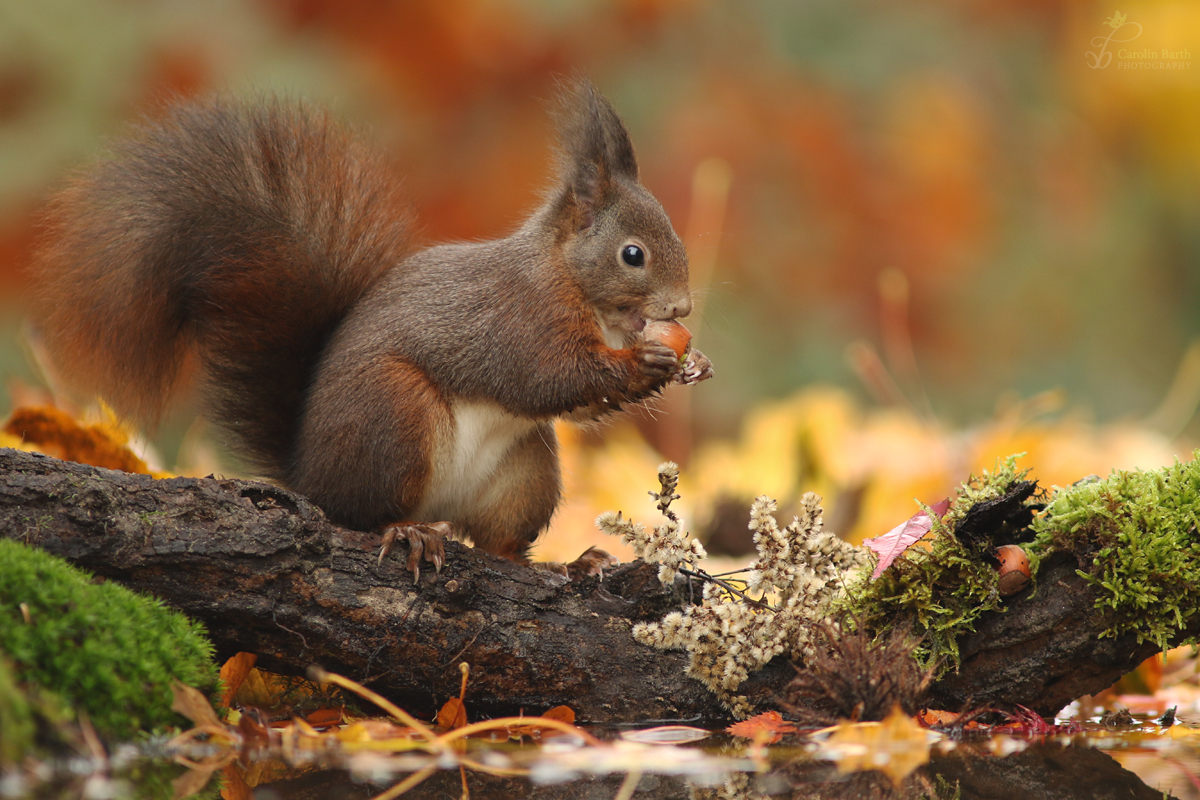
[(657, 361), (426, 539), (696, 368)]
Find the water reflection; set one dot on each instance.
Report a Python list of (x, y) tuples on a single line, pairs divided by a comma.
[(1042, 771), (1052, 771)]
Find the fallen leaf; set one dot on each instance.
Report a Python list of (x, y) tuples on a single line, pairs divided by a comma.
[(374, 730), (533, 729), (325, 717), (235, 786), (190, 783), (562, 714), (768, 723), (890, 545), (895, 747), (667, 734), (932, 716), (255, 729), (452, 715), (192, 704), (56, 433), (233, 673)]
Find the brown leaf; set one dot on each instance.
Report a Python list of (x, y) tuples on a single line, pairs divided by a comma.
[(255, 729), (452, 715), (192, 704), (536, 731), (233, 673), (769, 724)]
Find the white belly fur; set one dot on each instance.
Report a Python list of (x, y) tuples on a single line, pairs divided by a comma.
[(464, 464)]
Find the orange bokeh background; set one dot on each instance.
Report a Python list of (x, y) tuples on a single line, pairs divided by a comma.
[(936, 211)]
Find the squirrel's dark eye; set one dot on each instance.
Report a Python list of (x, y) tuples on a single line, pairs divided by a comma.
[(633, 255)]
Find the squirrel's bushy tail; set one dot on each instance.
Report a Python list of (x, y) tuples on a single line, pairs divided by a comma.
[(223, 239)]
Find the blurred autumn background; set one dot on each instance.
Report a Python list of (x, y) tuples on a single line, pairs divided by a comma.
[(924, 235)]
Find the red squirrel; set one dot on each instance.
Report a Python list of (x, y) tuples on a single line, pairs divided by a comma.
[(264, 251)]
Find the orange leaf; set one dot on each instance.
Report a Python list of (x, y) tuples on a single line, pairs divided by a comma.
[(235, 786), (452, 715), (533, 729), (932, 716), (57, 434), (769, 724), (233, 672), (325, 717), (562, 714)]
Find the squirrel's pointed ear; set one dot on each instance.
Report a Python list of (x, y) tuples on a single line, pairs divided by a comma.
[(594, 148)]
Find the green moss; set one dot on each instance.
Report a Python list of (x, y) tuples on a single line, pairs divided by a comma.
[(16, 718), (937, 592), (101, 648), (1135, 534)]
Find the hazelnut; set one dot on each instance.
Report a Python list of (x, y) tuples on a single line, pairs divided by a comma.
[(669, 332), (1014, 569)]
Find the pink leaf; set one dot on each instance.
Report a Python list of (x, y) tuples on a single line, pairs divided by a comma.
[(889, 546)]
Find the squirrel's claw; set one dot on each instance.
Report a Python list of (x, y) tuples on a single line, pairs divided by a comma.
[(696, 368), (425, 539)]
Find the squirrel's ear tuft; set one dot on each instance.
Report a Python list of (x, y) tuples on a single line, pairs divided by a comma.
[(593, 145)]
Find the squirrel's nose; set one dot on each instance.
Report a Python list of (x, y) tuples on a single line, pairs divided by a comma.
[(680, 308)]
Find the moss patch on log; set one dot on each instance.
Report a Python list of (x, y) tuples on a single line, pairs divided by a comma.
[(940, 586), (94, 647), (1135, 535)]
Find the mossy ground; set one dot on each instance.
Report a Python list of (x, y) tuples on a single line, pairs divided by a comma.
[(1133, 533), (1136, 536), (939, 587), (97, 648)]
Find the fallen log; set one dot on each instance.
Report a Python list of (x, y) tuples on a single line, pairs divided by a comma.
[(264, 570)]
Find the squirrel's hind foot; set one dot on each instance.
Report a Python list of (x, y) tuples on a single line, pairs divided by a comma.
[(425, 539), (593, 562)]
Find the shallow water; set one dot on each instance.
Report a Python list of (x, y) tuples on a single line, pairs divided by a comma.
[(1094, 761)]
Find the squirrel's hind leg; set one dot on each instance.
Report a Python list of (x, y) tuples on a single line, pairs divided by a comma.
[(520, 502), (368, 440), (520, 497)]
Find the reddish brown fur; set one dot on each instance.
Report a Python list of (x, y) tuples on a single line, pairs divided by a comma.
[(274, 247)]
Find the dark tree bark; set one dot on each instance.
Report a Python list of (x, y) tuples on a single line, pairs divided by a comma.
[(267, 573), (1046, 650)]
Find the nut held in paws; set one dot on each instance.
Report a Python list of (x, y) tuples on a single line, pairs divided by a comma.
[(670, 333)]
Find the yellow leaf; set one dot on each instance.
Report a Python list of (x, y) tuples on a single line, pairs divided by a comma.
[(895, 747)]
